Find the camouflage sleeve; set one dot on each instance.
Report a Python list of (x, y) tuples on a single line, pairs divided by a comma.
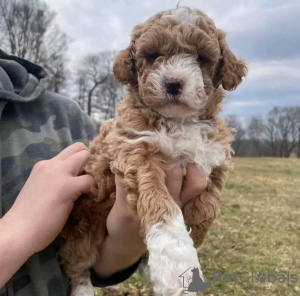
[(31, 132), (82, 127)]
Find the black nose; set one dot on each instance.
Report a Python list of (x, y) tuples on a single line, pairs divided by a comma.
[(173, 86)]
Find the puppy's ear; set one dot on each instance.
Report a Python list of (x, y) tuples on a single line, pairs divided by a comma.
[(232, 70), (124, 65)]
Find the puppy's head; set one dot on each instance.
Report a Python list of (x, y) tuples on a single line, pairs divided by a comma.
[(178, 59)]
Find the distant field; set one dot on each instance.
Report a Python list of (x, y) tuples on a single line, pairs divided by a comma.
[(258, 230)]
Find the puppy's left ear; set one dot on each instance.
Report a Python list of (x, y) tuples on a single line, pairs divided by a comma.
[(123, 68), (232, 70)]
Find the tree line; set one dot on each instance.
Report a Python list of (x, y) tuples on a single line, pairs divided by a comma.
[(28, 30), (277, 134)]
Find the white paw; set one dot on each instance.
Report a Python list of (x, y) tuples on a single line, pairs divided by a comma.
[(171, 252), (83, 290)]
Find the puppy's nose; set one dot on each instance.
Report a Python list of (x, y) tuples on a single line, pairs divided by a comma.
[(173, 86)]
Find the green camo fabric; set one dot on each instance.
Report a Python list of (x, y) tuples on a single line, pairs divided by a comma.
[(35, 125)]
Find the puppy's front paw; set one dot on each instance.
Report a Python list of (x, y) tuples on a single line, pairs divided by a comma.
[(171, 253)]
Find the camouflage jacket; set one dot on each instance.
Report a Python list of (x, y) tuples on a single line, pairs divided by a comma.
[(35, 124)]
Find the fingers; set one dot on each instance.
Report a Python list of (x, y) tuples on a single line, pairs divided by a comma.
[(84, 183), (75, 163), (121, 192), (193, 185), (72, 149), (174, 179), (121, 205)]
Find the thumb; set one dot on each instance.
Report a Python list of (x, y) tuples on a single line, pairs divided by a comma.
[(84, 183), (174, 179), (193, 184)]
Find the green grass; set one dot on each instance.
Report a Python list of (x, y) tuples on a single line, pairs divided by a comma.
[(258, 230)]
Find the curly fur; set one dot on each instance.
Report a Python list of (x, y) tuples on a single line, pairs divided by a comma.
[(153, 131)]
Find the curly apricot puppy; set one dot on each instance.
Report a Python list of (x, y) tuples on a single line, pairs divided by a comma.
[(176, 69)]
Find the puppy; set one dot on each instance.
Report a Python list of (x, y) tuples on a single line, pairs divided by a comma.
[(176, 68)]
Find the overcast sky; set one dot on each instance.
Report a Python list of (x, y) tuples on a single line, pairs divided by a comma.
[(266, 33)]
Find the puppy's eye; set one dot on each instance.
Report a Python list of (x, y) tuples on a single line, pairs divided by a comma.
[(202, 59), (154, 56)]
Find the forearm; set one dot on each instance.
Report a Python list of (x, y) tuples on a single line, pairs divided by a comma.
[(116, 256), (14, 250)]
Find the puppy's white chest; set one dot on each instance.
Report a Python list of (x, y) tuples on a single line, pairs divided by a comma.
[(188, 143), (180, 141)]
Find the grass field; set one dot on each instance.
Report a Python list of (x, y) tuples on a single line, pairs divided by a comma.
[(258, 230)]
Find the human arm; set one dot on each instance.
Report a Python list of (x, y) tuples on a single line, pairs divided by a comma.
[(42, 207), (123, 246)]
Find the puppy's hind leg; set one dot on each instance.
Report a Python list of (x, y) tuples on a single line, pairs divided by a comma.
[(78, 254)]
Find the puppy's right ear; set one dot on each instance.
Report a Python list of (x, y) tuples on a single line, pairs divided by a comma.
[(124, 65), (124, 68)]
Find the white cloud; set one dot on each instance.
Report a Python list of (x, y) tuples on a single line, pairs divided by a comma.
[(274, 74), (122, 38), (243, 104)]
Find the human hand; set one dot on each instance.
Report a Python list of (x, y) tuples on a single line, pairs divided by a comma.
[(47, 198), (184, 188)]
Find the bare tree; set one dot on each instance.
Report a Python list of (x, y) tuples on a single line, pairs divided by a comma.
[(28, 31), (282, 129), (97, 91), (270, 131), (111, 93), (54, 58), (283, 125), (293, 116), (81, 90), (94, 71), (255, 130)]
